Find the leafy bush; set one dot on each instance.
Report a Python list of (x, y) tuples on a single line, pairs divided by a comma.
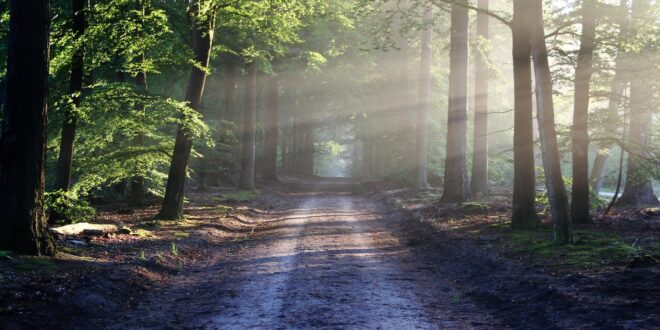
[(66, 208)]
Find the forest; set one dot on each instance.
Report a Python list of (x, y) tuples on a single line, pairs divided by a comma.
[(331, 164)]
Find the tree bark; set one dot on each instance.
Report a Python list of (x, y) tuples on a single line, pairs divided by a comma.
[(272, 131), (580, 130), (524, 179), (23, 227), (479, 180), (249, 130), (456, 188), (556, 190), (202, 37), (421, 132), (65, 159)]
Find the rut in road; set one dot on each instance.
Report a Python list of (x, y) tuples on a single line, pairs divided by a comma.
[(330, 263)]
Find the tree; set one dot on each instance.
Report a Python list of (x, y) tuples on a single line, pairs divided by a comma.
[(580, 130), (65, 160), (421, 132), (617, 88), (638, 191), (23, 143), (272, 130), (559, 208), (249, 129), (524, 189), (202, 38), (479, 179), (456, 188)]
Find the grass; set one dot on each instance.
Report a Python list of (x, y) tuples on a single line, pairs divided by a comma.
[(591, 249), (238, 196), (181, 234)]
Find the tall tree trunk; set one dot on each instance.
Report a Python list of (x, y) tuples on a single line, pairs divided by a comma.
[(580, 129), (65, 159), (524, 179), (638, 191), (23, 227), (556, 190), (479, 180), (202, 37), (613, 121), (421, 138), (272, 131), (249, 130), (456, 188)]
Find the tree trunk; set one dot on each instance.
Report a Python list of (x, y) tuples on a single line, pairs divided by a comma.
[(613, 121), (249, 130), (479, 180), (272, 131), (23, 227), (231, 86), (65, 159), (580, 130), (638, 191), (456, 188), (422, 128), (556, 190), (524, 179), (202, 37)]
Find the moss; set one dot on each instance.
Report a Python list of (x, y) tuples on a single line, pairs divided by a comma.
[(143, 233), (238, 196), (591, 248), (181, 234)]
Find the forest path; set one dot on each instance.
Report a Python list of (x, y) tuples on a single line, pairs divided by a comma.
[(328, 262)]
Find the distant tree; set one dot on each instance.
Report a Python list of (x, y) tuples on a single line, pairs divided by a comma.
[(249, 129), (479, 179), (638, 191), (421, 134), (272, 130), (23, 227)]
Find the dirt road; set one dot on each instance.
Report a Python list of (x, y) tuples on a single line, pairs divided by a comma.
[(328, 262)]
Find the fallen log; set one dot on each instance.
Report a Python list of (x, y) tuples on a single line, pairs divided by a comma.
[(85, 229)]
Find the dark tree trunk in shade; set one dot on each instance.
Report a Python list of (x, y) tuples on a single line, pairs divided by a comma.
[(249, 130), (421, 132), (272, 131), (23, 227), (556, 190), (479, 179), (456, 187), (579, 131), (613, 120), (308, 144), (524, 214), (65, 159), (638, 190), (172, 208)]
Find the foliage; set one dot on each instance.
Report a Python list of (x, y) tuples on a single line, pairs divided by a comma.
[(67, 208)]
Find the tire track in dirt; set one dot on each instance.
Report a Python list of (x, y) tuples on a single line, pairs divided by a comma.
[(331, 262)]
